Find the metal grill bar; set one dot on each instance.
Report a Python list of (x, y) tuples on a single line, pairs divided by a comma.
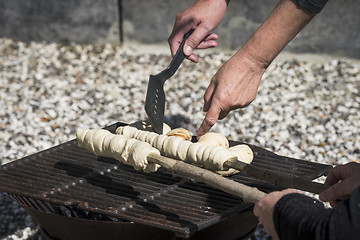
[(68, 176)]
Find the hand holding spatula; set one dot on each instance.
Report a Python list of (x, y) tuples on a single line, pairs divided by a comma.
[(155, 96)]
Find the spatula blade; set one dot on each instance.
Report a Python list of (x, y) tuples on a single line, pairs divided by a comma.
[(155, 102), (155, 96)]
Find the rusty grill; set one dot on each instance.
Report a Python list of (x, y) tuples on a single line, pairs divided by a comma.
[(70, 181)]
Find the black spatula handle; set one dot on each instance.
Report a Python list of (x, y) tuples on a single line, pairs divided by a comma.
[(177, 60)]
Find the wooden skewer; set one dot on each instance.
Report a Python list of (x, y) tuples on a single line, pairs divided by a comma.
[(276, 179), (248, 194)]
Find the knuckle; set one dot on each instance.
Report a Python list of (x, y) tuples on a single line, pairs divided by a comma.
[(210, 121)]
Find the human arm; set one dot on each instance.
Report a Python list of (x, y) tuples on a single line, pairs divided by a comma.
[(235, 84), (343, 179), (295, 216), (203, 17)]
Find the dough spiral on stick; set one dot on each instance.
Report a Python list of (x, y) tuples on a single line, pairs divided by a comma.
[(211, 151), (124, 149)]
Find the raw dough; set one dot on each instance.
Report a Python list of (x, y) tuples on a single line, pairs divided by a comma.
[(138, 156), (214, 139), (180, 132), (243, 152), (171, 145), (127, 150)]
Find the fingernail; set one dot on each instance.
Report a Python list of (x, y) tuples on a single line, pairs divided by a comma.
[(324, 197), (188, 50)]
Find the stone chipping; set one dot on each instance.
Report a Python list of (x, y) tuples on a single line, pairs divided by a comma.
[(47, 91)]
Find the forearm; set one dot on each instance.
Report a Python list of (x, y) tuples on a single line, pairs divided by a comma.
[(299, 217), (282, 25)]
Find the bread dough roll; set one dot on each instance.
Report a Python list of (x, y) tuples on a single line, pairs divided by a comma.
[(80, 136), (129, 132), (214, 139), (126, 149), (106, 145), (217, 157), (206, 153), (180, 132), (141, 136), (191, 154), (98, 139), (159, 142), (117, 145), (200, 153), (88, 143), (243, 153), (150, 138), (170, 146), (138, 153), (182, 150)]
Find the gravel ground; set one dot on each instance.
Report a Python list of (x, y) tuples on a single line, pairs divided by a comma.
[(47, 91)]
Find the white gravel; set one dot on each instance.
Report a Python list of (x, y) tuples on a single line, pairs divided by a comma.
[(47, 91)]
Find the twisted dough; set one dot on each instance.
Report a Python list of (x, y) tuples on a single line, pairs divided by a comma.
[(211, 153), (124, 149)]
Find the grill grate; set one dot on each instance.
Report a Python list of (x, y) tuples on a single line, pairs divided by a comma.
[(66, 175)]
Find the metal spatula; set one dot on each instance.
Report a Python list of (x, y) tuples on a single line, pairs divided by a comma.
[(155, 96)]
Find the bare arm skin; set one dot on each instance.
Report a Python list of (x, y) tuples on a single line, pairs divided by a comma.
[(235, 84)]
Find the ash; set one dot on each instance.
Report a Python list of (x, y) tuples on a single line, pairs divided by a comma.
[(304, 109)]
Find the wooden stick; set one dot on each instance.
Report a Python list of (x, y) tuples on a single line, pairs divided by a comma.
[(248, 194), (276, 179)]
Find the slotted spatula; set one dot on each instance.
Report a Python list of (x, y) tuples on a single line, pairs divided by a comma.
[(155, 96)]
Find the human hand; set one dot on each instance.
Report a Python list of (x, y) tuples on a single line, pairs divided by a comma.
[(233, 86), (343, 180), (264, 210), (203, 17)]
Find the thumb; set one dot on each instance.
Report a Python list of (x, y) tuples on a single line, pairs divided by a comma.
[(195, 39), (337, 191)]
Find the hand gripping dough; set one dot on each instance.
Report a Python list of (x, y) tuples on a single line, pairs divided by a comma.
[(214, 139), (180, 132), (243, 152)]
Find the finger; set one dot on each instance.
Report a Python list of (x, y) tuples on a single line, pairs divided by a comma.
[(193, 57), (208, 96), (194, 40), (177, 36), (337, 191), (223, 114), (207, 44), (256, 209), (210, 119), (336, 174), (209, 41)]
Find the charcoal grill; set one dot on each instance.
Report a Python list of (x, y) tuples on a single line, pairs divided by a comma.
[(73, 194)]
